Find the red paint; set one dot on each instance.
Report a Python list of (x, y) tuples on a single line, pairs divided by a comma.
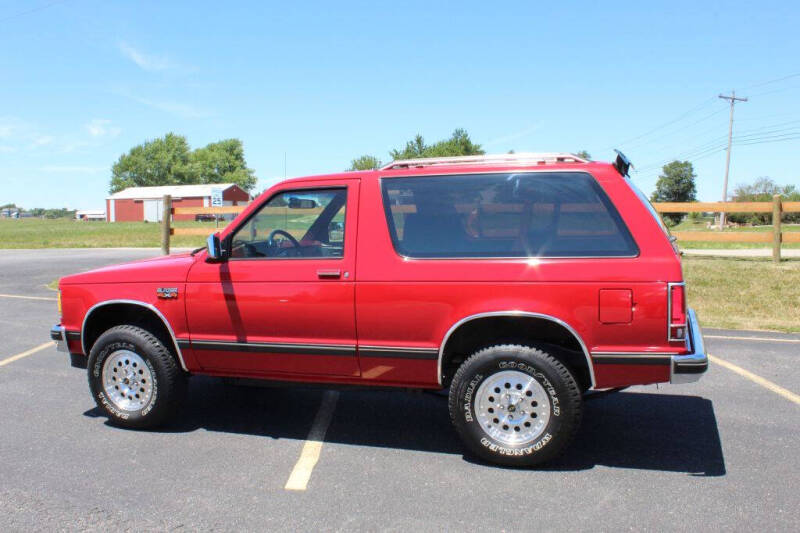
[(127, 210), (616, 305)]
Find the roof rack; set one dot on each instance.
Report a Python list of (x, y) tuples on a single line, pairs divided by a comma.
[(526, 158)]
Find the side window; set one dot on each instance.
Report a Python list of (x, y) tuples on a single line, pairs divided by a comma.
[(542, 214), (306, 223)]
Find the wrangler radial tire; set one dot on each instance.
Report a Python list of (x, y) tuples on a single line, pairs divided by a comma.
[(515, 405), (134, 378)]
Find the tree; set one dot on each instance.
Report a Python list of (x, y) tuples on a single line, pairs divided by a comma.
[(221, 162), (157, 162), (762, 190), (676, 184), (365, 162), (169, 161), (583, 154), (458, 144)]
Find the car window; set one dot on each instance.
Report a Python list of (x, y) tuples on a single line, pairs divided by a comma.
[(547, 214), (654, 214), (295, 224)]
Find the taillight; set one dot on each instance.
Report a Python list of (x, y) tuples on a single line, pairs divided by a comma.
[(677, 312)]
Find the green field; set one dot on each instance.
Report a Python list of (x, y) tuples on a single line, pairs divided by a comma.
[(744, 293), (68, 233)]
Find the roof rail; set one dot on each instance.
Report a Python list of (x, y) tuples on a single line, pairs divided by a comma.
[(526, 158)]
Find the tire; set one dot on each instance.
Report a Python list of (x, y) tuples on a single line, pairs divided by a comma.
[(532, 418), (134, 378)]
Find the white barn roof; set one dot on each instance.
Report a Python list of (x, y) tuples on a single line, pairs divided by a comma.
[(176, 191)]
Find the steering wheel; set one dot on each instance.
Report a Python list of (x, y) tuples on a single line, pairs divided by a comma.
[(291, 239)]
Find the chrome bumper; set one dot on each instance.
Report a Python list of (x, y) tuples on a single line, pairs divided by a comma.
[(59, 334), (689, 367)]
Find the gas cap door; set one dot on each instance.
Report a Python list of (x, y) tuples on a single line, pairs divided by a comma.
[(616, 306)]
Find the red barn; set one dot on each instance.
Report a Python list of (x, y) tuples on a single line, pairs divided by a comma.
[(136, 204)]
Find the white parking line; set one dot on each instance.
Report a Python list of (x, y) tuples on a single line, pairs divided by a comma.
[(765, 339), (32, 351), (45, 298), (767, 384), (298, 479)]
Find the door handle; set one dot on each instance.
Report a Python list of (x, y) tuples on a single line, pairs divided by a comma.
[(329, 274)]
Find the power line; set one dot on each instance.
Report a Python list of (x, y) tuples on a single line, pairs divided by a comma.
[(776, 80), (34, 10), (669, 123), (683, 128)]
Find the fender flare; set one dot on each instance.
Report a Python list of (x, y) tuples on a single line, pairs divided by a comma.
[(513, 313), (148, 306)]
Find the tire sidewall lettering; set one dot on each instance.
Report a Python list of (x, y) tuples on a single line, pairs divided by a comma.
[(97, 372), (469, 416)]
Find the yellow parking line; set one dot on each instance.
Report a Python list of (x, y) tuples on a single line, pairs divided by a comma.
[(298, 479), (765, 339), (28, 297), (777, 389), (32, 351)]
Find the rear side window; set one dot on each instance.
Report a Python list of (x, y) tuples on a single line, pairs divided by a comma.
[(547, 214)]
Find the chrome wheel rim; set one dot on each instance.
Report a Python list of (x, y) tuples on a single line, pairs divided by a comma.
[(512, 408), (127, 380)]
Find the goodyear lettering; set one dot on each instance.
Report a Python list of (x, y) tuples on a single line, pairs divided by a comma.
[(468, 396)]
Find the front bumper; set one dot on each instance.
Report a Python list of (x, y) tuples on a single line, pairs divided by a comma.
[(59, 334), (689, 367)]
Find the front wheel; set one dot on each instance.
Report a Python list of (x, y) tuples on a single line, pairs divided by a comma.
[(515, 405), (134, 378)]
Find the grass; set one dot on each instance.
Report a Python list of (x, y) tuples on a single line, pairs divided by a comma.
[(68, 233), (700, 225), (744, 293)]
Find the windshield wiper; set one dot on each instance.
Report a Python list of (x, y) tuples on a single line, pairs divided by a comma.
[(195, 251)]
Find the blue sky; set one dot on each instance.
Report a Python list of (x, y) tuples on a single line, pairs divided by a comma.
[(81, 81)]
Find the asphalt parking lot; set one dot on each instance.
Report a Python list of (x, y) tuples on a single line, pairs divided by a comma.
[(718, 454)]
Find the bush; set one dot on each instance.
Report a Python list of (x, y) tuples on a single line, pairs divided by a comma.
[(762, 190)]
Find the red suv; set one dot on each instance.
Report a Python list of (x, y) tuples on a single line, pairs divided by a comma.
[(519, 282)]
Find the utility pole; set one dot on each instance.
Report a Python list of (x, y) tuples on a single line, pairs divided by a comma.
[(733, 99)]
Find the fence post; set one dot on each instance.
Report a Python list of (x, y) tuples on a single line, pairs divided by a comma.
[(777, 211), (166, 219)]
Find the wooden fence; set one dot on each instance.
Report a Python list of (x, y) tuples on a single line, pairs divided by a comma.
[(776, 207)]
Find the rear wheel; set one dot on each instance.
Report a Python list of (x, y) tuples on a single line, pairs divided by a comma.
[(515, 405), (134, 378)]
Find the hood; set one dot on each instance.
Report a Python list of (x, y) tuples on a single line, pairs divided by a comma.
[(164, 269)]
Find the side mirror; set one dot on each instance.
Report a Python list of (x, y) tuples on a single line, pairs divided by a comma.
[(214, 248)]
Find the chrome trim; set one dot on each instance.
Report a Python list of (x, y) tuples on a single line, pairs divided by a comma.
[(58, 333), (632, 354), (400, 352), (669, 312), (688, 368), (633, 360), (558, 321), (275, 347), (397, 348), (140, 304)]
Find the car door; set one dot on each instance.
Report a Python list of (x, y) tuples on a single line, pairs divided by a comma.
[(282, 300)]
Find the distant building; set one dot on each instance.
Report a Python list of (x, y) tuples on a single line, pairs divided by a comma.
[(90, 214), (144, 203), (9, 212)]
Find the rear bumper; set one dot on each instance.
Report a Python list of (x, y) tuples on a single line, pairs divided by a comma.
[(689, 367), (59, 334)]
